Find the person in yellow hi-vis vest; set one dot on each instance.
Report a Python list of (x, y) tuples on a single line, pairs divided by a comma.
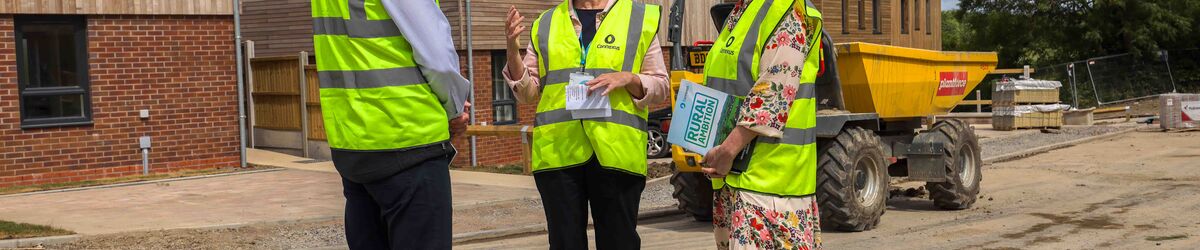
[(391, 98), (591, 160), (768, 52)]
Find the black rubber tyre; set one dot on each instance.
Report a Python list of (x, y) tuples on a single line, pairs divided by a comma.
[(656, 144), (694, 192), (852, 180), (963, 166)]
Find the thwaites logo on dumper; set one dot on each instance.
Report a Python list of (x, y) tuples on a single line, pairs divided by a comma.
[(704, 108), (952, 83)]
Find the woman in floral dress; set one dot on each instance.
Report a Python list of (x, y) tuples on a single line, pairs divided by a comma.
[(746, 219)]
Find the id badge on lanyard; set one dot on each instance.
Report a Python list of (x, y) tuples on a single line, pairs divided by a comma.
[(580, 103)]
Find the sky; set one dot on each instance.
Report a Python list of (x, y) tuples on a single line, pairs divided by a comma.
[(949, 4)]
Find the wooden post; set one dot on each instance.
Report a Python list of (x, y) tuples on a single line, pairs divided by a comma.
[(978, 106), (527, 148), (249, 51), (303, 102)]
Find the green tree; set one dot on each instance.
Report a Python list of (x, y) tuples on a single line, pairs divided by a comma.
[(954, 31), (1041, 32)]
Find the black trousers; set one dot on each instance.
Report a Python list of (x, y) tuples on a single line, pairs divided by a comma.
[(409, 210), (613, 195)]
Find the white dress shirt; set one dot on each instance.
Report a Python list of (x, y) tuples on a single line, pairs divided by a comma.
[(426, 29)]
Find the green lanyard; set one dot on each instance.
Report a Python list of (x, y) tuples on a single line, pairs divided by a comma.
[(583, 59)]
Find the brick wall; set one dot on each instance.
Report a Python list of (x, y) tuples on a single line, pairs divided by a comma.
[(492, 150), (181, 68)]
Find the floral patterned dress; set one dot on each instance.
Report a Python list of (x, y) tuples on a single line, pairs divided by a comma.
[(749, 220)]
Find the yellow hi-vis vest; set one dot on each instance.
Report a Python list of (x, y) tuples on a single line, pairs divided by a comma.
[(619, 141), (781, 166), (373, 96)]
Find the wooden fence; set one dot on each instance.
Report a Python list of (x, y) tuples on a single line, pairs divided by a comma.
[(284, 94)]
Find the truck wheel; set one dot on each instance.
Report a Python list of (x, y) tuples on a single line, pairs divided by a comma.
[(963, 167), (694, 192), (852, 180)]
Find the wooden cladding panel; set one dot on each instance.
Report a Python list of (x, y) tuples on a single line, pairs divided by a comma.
[(277, 27), (889, 23), (118, 7), (489, 17), (283, 27)]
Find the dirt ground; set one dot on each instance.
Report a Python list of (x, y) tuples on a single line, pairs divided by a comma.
[(1135, 191)]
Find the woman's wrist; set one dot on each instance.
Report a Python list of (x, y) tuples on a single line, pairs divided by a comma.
[(634, 87)]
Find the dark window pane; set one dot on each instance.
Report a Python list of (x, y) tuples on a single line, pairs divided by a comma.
[(916, 15), (845, 18), (52, 106), (52, 70), (50, 56), (862, 15), (875, 17), (504, 114), (904, 16), (504, 106)]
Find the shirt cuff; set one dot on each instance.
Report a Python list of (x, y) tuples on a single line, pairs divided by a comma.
[(650, 96), (524, 89)]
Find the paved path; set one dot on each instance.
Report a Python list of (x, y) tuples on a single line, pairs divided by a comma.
[(1135, 191), (305, 193)]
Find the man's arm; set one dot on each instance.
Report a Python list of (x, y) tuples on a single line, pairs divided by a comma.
[(426, 29)]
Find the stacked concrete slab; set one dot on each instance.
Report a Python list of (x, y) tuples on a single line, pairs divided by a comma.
[(1026, 103)]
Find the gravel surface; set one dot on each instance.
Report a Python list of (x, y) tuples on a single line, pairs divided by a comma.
[(657, 195), (258, 236), (1004, 145)]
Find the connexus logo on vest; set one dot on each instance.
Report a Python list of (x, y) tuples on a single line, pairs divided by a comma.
[(608, 41), (728, 42)]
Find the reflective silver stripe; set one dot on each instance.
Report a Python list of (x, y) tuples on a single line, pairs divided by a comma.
[(563, 115), (371, 78), (354, 28), (730, 86), (555, 77), (634, 36), (742, 85), (544, 38), (806, 90), (793, 136)]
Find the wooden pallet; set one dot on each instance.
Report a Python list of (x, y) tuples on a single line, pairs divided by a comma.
[(1028, 121)]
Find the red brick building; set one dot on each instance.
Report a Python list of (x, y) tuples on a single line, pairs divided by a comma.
[(76, 76)]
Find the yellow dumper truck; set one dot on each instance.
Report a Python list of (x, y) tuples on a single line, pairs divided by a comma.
[(873, 100)]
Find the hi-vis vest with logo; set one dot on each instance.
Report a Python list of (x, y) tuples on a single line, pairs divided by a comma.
[(619, 141), (781, 166), (373, 96)]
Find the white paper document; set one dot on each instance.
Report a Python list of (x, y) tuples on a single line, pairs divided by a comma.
[(583, 105)]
